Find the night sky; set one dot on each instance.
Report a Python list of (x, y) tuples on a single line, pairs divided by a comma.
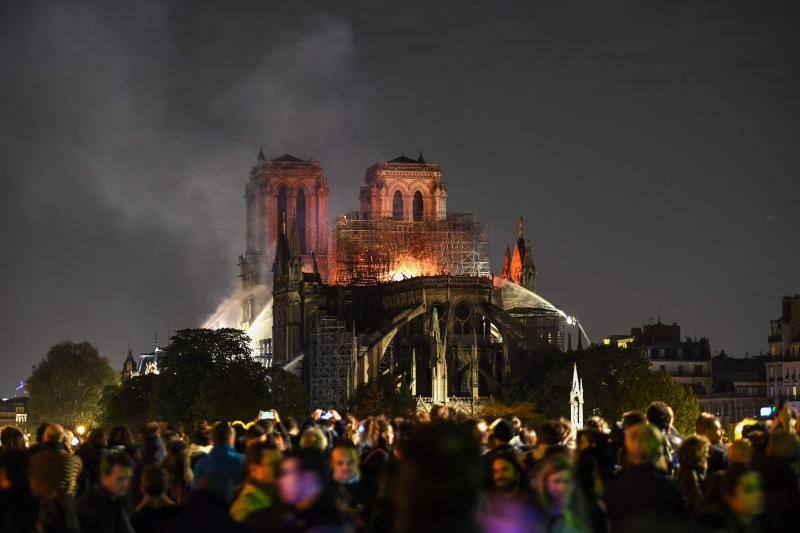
[(652, 147)]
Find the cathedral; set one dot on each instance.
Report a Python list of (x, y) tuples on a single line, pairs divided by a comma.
[(401, 286)]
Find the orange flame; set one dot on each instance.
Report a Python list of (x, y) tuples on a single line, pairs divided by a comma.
[(407, 266)]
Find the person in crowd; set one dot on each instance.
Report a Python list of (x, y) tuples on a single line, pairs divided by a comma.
[(502, 432), (693, 460), (178, 430), (641, 496), (355, 496), (102, 509), (12, 438), (376, 444), (240, 437), (314, 438), (120, 439), (558, 500), (259, 490), (222, 457), (779, 478), (207, 508), (742, 504), (438, 480), (38, 437), (156, 507), (90, 452), (549, 439), (592, 446), (293, 431), (709, 426), (53, 469), (179, 471), (597, 423), (305, 488), (527, 439), (660, 415), (508, 477), (200, 444), (17, 505), (151, 451), (255, 433)]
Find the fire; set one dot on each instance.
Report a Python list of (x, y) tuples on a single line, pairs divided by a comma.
[(411, 267)]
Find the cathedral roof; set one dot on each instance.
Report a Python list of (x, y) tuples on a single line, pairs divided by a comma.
[(288, 158), (403, 159)]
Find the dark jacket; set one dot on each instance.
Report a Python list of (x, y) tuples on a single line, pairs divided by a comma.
[(717, 458), (323, 516), (640, 496), (99, 511), (205, 512), (148, 519)]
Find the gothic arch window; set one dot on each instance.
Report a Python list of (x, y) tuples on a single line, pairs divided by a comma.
[(397, 206), (418, 206), (301, 219), (282, 208), (461, 315)]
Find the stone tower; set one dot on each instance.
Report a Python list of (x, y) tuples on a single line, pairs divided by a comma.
[(277, 189), (576, 401), (404, 189)]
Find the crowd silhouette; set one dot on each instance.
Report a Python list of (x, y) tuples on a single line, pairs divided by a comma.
[(437, 471)]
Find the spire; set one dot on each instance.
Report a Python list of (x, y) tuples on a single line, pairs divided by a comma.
[(575, 381), (576, 401), (261, 158), (519, 228), (420, 159)]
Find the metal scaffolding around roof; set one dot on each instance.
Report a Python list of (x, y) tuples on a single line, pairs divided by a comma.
[(331, 364), (368, 252)]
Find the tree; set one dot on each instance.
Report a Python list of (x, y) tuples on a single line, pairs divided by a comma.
[(66, 386), (383, 395), (128, 403), (190, 364), (607, 375), (525, 411), (234, 389), (287, 394), (660, 386)]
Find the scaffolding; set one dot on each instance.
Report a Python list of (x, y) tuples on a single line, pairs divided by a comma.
[(331, 365), (368, 252)]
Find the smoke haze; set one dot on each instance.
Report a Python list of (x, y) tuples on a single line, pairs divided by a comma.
[(651, 148)]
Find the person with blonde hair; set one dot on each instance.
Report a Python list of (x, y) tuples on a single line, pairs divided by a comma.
[(314, 438)]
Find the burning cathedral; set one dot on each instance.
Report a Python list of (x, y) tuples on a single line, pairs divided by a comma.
[(401, 286)]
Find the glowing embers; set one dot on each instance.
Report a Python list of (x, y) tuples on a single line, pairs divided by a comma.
[(408, 266)]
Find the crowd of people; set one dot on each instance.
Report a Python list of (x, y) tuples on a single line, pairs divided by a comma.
[(436, 471)]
